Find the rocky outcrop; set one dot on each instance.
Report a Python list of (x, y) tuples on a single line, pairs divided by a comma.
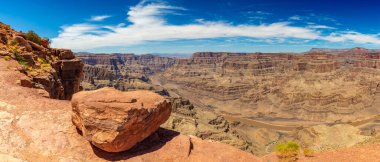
[(115, 121), (57, 71), (69, 70)]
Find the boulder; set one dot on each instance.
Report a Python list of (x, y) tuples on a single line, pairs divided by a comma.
[(5, 53), (65, 54), (23, 43), (26, 82), (3, 37), (115, 121), (29, 58), (35, 46), (20, 34)]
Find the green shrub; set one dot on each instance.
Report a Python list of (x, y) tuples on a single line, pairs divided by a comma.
[(21, 60), (46, 67), (31, 73), (14, 49), (34, 37), (41, 60), (7, 58), (308, 152), (14, 43), (287, 152)]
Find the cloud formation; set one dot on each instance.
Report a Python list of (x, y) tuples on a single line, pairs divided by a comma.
[(147, 23), (99, 18), (320, 27), (354, 37), (295, 17)]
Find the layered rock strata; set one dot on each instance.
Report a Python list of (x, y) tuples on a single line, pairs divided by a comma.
[(315, 86), (121, 70)]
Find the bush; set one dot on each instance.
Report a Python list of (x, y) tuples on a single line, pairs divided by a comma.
[(31, 73), (34, 37), (14, 43), (46, 67), (308, 152), (7, 58), (41, 60), (287, 151), (14, 49), (21, 60)]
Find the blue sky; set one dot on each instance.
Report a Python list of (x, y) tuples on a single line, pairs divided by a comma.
[(187, 26)]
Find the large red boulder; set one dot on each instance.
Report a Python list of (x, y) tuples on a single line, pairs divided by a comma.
[(115, 121)]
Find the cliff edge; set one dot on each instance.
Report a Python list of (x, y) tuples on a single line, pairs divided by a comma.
[(57, 71)]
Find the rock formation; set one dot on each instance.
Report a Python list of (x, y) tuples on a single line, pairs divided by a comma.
[(57, 71), (115, 121), (315, 86), (122, 71)]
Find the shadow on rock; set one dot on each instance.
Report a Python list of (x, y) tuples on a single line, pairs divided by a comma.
[(152, 143)]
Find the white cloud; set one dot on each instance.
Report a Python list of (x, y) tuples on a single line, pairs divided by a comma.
[(295, 17), (263, 13), (99, 18), (147, 23), (257, 15), (320, 27), (354, 37)]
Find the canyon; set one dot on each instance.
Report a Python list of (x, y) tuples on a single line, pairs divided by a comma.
[(254, 100)]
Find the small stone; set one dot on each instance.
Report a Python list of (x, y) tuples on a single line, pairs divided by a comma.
[(26, 83)]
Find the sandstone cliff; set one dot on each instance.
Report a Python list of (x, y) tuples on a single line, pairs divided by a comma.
[(57, 71)]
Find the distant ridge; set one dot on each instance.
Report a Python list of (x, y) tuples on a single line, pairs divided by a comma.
[(169, 55), (345, 50)]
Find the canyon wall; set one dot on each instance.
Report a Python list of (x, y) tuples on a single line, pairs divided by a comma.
[(122, 71), (318, 85)]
